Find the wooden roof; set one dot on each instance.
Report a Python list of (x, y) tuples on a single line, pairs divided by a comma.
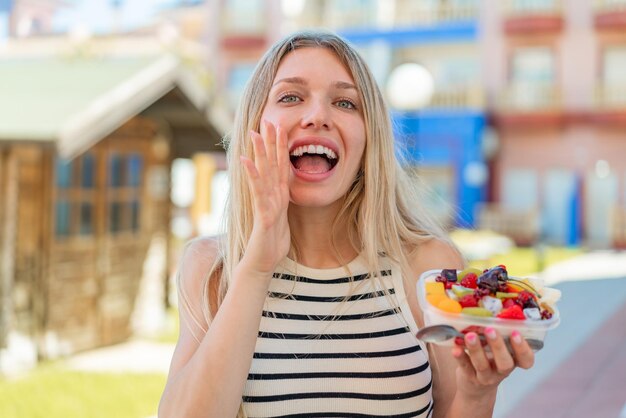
[(73, 102)]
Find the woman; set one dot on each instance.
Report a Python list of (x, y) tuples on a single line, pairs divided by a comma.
[(307, 306)]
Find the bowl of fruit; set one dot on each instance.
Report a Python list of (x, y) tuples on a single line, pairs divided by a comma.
[(471, 299)]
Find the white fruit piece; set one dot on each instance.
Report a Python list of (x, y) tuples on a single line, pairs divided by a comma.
[(491, 303), (532, 313)]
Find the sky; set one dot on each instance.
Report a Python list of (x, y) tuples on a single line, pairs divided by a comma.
[(99, 16)]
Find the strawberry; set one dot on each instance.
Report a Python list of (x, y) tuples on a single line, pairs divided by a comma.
[(512, 312), (469, 281), (468, 301), (508, 303)]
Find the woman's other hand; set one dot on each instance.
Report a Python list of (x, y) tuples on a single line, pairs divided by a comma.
[(268, 178), (479, 370)]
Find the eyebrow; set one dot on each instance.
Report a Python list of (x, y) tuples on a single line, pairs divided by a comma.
[(301, 81)]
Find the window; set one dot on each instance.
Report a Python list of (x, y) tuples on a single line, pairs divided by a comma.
[(612, 89), (534, 5), (64, 174), (244, 16), (520, 189), (237, 79), (62, 218), (437, 188), (75, 196), (614, 65), (124, 192), (533, 65), (533, 78)]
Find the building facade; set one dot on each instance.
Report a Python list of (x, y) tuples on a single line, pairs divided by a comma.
[(555, 84)]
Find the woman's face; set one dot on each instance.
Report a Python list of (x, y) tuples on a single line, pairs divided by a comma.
[(314, 100)]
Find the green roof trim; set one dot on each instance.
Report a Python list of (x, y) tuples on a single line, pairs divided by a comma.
[(38, 96)]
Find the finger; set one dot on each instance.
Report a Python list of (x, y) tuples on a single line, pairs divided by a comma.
[(501, 356), (253, 174), (270, 146), (465, 364), (477, 354), (284, 163), (260, 154), (524, 355)]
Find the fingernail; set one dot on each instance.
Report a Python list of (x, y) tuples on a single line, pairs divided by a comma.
[(472, 338), (516, 337), (490, 333), (457, 351)]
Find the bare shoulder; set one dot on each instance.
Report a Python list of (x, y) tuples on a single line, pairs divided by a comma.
[(197, 261), (435, 253), (199, 254)]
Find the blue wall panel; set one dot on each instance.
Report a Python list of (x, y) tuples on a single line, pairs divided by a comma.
[(446, 138)]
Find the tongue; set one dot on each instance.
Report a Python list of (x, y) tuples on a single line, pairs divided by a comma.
[(313, 164)]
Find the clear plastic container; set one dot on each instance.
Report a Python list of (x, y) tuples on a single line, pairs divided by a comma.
[(536, 329)]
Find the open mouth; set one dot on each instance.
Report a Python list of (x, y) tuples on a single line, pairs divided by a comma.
[(313, 159)]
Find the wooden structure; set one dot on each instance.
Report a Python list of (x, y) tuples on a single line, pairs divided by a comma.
[(618, 227), (521, 226), (85, 152)]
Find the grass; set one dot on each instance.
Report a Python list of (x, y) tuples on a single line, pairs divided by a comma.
[(525, 261), (53, 392)]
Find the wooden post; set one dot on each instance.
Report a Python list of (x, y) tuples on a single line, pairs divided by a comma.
[(3, 331), (205, 170), (47, 231), (8, 186)]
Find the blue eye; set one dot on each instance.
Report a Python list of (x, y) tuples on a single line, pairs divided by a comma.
[(289, 98), (346, 104)]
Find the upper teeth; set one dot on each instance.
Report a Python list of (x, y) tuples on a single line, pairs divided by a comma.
[(313, 149)]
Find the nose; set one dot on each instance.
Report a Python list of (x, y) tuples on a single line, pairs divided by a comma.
[(317, 115)]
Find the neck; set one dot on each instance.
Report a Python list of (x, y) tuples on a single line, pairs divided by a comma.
[(313, 234)]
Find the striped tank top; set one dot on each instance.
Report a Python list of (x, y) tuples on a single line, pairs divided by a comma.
[(319, 354)]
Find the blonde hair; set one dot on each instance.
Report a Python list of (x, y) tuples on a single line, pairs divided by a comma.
[(381, 206)]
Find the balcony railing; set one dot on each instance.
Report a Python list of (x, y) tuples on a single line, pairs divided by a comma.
[(415, 13), (607, 6), (610, 97), (459, 98), (407, 13), (530, 97), (352, 19), (533, 7)]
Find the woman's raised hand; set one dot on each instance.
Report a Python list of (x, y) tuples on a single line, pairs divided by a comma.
[(268, 177)]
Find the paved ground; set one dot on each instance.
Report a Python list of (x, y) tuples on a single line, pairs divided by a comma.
[(588, 383), (136, 356), (580, 372)]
